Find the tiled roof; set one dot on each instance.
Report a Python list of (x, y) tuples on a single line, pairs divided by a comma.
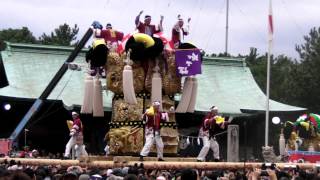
[(226, 83), (229, 85), (30, 68)]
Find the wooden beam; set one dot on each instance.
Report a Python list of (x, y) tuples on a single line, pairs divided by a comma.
[(152, 164)]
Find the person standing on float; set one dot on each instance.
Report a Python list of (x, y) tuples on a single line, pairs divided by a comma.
[(208, 126), (146, 27), (76, 138), (152, 118), (179, 31)]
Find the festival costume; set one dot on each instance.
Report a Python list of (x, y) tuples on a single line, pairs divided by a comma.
[(206, 133), (177, 34), (76, 140), (152, 131), (111, 37), (147, 29)]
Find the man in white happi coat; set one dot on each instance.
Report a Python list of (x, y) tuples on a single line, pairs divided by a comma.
[(76, 138), (152, 118), (210, 122)]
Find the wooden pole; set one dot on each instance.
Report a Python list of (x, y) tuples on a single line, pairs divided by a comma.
[(152, 164)]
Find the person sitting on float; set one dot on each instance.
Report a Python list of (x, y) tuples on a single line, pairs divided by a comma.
[(112, 37)]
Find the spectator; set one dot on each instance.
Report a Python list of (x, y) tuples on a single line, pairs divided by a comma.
[(189, 174), (84, 177), (130, 177), (18, 175)]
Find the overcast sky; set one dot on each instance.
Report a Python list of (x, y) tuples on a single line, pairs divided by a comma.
[(247, 19)]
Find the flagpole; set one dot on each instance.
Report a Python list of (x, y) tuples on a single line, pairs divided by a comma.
[(227, 27), (270, 38)]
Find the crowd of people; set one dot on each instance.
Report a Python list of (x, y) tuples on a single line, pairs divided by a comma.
[(12, 170)]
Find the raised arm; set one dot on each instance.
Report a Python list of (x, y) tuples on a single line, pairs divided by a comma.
[(160, 24), (187, 28), (137, 21)]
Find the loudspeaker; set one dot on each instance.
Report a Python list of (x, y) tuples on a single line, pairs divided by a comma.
[(3, 77)]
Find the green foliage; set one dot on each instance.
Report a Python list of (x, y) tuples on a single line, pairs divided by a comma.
[(309, 76), (310, 50), (282, 80), (258, 68), (64, 35), (291, 81), (283, 77), (17, 35)]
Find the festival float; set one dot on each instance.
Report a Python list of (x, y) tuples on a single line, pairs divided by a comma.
[(303, 144), (140, 70)]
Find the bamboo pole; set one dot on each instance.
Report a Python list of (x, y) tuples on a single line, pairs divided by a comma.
[(166, 165)]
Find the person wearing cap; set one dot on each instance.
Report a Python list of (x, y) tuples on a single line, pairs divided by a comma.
[(26, 153), (178, 31), (76, 138), (34, 153), (111, 37), (210, 122), (152, 118), (147, 27)]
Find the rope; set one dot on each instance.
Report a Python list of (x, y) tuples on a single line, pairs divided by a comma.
[(210, 34), (196, 137), (197, 17), (261, 37), (46, 114), (192, 13), (293, 19), (107, 3)]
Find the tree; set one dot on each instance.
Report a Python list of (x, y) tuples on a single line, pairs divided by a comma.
[(292, 82), (282, 76), (310, 51), (17, 35), (64, 35), (309, 76), (283, 80), (258, 67)]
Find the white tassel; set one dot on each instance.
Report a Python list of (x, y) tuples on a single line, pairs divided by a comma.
[(198, 141), (156, 88), (282, 144), (86, 107), (193, 97), (185, 97), (97, 99), (127, 83), (188, 140)]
